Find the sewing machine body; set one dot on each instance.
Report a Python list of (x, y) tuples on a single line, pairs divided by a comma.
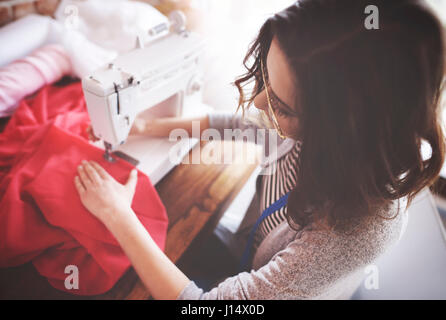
[(153, 80), (140, 80)]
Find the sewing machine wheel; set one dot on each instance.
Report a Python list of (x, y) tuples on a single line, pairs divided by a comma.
[(177, 20)]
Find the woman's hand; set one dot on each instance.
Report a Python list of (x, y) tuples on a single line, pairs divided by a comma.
[(101, 194)]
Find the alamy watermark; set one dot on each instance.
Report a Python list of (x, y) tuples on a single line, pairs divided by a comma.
[(213, 153), (71, 13)]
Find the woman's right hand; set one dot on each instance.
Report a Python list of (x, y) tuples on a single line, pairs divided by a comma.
[(160, 127)]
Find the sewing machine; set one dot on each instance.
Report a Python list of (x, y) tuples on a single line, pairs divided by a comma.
[(155, 79)]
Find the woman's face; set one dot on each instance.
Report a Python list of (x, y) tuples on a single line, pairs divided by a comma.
[(282, 91)]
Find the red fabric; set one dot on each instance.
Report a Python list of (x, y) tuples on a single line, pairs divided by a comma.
[(41, 216)]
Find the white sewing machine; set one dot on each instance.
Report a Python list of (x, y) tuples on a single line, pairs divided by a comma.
[(157, 77)]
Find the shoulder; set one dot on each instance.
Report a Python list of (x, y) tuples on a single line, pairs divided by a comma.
[(360, 241), (318, 262)]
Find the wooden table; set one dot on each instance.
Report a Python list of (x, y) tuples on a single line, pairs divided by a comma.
[(195, 197)]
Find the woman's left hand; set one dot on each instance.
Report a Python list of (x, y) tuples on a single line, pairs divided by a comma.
[(101, 194)]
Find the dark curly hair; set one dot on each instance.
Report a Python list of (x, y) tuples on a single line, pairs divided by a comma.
[(369, 99)]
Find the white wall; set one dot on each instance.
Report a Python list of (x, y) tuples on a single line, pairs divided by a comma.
[(230, 26)]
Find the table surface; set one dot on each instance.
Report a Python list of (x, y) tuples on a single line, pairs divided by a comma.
[(195, 197)]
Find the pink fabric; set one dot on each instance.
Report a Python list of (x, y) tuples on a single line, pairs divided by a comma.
[(23, 77)]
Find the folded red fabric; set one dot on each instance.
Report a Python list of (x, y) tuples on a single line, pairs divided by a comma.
[(42, 219)]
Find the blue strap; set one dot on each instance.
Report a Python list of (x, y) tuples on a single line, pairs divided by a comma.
[(279, 204)]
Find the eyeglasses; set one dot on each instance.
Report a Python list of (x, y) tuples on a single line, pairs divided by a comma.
[(270, 100)]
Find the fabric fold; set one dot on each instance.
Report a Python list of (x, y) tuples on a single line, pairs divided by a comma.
[(42, 218)]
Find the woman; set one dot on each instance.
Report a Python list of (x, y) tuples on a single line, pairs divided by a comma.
[(353, 106)]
